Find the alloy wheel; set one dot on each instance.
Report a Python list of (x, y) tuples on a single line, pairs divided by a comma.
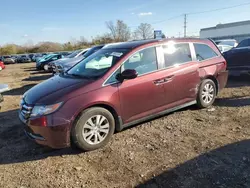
[(208, 93), (96, 129)]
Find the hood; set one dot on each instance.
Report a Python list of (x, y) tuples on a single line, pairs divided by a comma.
[(53, 89)]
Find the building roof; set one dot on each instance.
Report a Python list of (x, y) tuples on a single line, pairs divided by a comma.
[(233, 24)]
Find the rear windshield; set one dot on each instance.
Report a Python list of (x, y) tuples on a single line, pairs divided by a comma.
[(244, 43)]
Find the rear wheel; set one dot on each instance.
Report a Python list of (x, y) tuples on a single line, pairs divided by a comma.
[(207, 93), (93, 129)]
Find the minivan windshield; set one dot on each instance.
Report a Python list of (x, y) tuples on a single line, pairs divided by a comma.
[(97, 64)]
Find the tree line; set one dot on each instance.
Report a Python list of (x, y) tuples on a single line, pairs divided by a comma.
[(117, 32)]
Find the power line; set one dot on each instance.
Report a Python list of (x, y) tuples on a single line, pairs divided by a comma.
[(171, 18), (213, 10), (157, 22), (224, 8), (191, 13)]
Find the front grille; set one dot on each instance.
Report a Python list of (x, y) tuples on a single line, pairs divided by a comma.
[(25, 109)]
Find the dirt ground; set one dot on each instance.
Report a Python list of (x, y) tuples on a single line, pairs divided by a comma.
[(189, 148)]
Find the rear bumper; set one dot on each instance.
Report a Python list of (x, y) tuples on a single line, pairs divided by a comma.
[(52, 136), (222, 79)]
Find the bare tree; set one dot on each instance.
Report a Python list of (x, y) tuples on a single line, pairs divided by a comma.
[(110, 25), (119, 32), (144, 31)]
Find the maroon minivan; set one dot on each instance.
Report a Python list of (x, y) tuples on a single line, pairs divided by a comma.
[(121, 85)]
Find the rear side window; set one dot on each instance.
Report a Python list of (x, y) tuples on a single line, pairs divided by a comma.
[(175, 54), (204, 52)]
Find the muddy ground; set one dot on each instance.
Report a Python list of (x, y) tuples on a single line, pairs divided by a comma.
[(188, 148)]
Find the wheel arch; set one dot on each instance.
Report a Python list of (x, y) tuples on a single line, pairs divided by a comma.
[(118, 121)]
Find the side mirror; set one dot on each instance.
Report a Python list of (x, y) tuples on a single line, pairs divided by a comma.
[(127, 74)]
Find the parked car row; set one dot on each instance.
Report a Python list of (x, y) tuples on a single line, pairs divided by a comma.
[(57, 63), (120, 85), (26, 58)]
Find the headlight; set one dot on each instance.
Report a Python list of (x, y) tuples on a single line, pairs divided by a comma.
[(45, 110)]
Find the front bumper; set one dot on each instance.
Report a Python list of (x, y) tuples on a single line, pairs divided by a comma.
[(52, 136)]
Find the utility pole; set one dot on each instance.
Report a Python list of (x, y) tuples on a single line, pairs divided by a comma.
[(185, 25)]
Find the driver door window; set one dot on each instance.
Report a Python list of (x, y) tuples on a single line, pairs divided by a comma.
[(144, 61)]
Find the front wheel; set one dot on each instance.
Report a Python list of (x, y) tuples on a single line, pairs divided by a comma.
[(93, 129), (207, 93), (46, 67)]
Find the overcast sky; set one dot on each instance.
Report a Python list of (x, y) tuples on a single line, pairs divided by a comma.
[(23, 21)]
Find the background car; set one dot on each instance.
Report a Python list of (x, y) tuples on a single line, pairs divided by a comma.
[(30, 56), (238, 58), (8, 60), (75, 56), (2, 66), (42, 64), (228, 42), (77, 53), (36, 57), (224, 48), (65, 53), (63, 66), (24, 59)]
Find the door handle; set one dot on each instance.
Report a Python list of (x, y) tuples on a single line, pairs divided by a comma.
[(169, 78), (163, 80)]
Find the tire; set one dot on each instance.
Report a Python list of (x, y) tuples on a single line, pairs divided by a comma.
[(207, 94), (81, 129)]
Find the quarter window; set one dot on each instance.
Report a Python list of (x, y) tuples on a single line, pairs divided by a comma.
[(144, 61), (204, 52), (175, 54), (112, 78)]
